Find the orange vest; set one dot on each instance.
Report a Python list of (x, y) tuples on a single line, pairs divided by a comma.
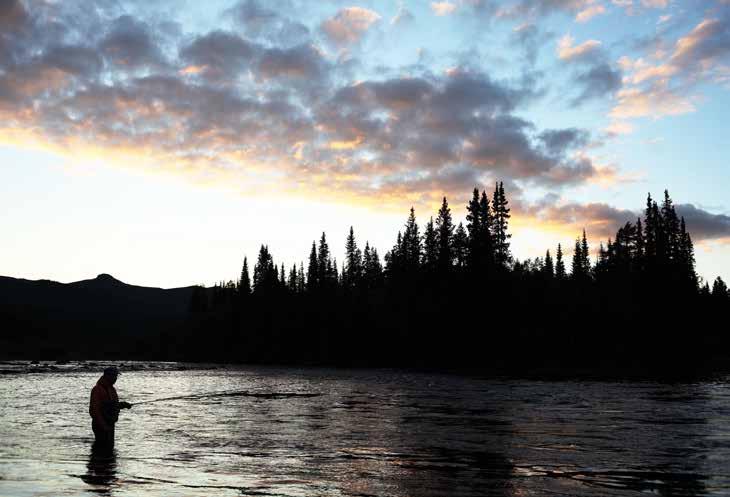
[(103, 402)]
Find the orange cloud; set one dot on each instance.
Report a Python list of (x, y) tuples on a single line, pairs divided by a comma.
[(443, 8), (567, 51)]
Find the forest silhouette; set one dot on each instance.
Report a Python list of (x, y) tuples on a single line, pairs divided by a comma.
[(444, 296), (453, 296)]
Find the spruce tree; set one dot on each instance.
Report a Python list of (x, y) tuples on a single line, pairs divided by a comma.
[(411, 251), (265, 273), (301, 280), (474, 227), (500, 224), (719, 290), (548, 269), (687, 256), (639, 247), (461, 246), (671, 225), (576, 267), (584, 256), (650, 234), (487, 220), (324, 263), (244, 284), (352, 271), (430, 247), (293, 284), (445, 234), (313, 270), (559, 264), (394, 258)]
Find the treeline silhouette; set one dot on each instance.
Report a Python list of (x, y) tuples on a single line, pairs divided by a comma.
[(453, 296)]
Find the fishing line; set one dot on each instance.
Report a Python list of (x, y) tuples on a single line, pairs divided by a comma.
[(233, 393)]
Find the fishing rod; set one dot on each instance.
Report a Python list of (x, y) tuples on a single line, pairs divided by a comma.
[(233, 393)]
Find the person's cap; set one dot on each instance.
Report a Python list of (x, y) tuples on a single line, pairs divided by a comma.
[(111, 371)]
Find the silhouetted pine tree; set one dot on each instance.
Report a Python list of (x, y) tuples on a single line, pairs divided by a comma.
[(650, 234), (705, 290), (500, 225), (473, 222), (265, 277), (479, 226), (639, 246), (301, 280), (244, 284), (548, 269), (313, 270), (687, 257), (576, 267), (559, 264), (352, 269), (326, 272), (585, 259), (601, 268), (430, 255), (461, 247), (719, 290), (411, 249), (293, 283), (670, 222), (445, 233), (372, 269), (394, 258)]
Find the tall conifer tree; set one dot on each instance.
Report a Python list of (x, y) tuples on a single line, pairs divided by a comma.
[(430, 247), (445, 233), (559, 264), (244, 285), (500, 225)]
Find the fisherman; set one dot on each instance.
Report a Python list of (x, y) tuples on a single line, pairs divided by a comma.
[(104, 407)]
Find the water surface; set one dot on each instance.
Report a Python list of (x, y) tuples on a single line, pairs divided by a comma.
[(360, 433)]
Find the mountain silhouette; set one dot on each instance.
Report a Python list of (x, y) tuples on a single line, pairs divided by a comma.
[(97, 317)]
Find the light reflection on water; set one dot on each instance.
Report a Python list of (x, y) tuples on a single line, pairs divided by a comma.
[(368, 433)]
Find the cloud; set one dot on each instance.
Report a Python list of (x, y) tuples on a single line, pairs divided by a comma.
[(443, 8), (459, 120), (597, 81), (534, 9), (655, 101), (262, 22), (130, 43), (656, 4), (594, 76), (348, 26), (12, 14), (634, 7), (530, 39), (222, 55), (590, 12), (302, 62), (567, 51), (666, 87), (402, 17), (602, 220), (704, 225), (250, 109), (619, 128)]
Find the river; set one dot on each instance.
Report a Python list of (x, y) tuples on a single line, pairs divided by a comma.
[(317, 432)]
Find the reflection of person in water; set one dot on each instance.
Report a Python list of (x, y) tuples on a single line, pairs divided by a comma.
[(104, 407), (102, 468)]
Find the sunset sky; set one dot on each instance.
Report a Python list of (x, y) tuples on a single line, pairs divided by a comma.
[(163, 141)]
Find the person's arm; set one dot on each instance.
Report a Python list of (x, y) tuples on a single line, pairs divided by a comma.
[(96, 410)]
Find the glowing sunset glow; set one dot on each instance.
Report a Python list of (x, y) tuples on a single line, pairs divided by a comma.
[(163, 143)]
